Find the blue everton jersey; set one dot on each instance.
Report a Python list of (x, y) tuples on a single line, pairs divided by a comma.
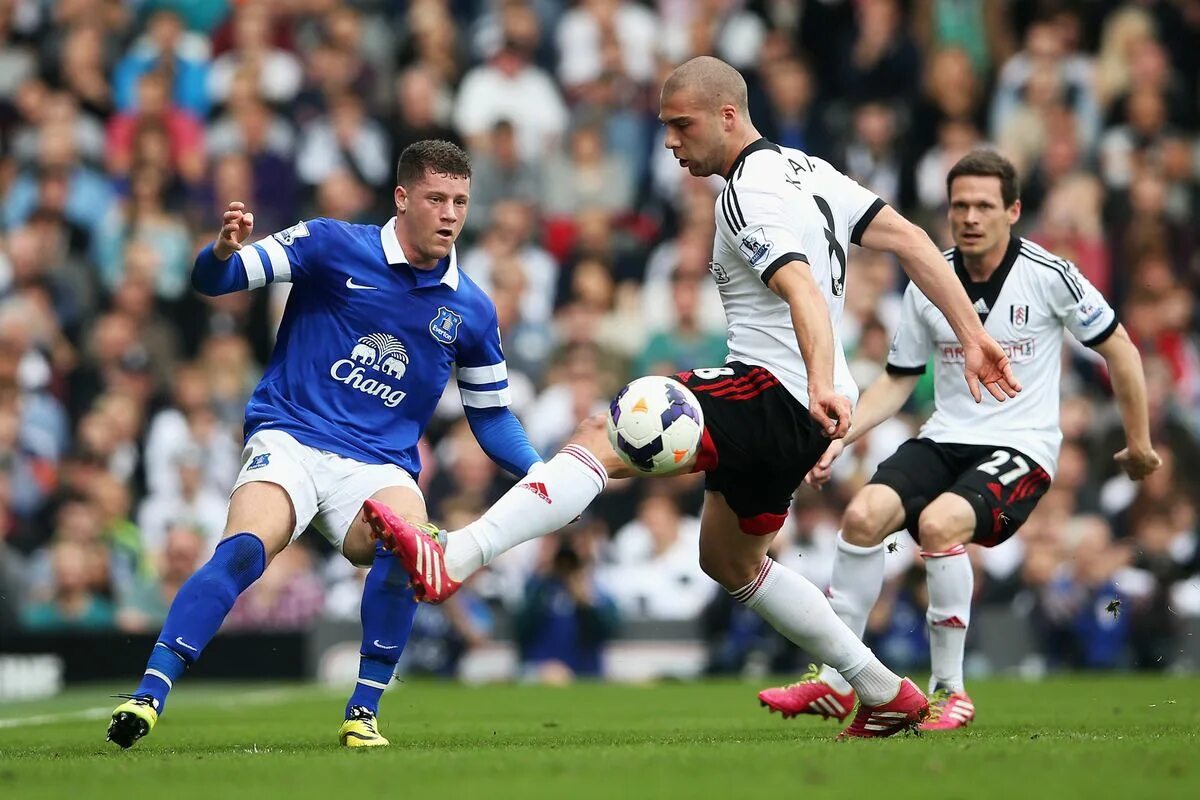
[(367, 342)]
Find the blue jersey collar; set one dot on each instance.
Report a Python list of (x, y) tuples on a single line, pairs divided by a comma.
[(395, 254)]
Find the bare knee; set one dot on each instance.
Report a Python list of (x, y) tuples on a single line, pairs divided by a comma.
[(945, 523), (871, 516), (265, 510), (731, 571), (358, 546)]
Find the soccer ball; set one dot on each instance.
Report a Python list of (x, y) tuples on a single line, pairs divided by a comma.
[(655, 424)]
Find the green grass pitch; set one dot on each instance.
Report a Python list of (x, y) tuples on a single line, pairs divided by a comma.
[(1079, 737)]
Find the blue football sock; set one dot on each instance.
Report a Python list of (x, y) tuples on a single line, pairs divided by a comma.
[(388, 607), (198, 611)]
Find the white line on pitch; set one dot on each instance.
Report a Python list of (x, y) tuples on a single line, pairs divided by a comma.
[(259, 697)]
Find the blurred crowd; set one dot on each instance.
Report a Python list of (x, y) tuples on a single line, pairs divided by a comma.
[(127, 125)]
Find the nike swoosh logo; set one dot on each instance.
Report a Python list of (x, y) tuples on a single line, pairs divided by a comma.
[(179, 641), (350, 284), (384, 646)]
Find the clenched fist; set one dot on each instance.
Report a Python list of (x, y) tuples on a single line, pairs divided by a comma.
[(236, 225)]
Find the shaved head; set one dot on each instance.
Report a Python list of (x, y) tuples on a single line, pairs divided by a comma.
[(714, 80), (704, 109)]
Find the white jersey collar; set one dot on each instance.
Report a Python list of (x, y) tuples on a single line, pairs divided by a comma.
[(395, 253)]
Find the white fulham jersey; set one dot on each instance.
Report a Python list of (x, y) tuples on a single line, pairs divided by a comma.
[(1026, 304), (782, 205)]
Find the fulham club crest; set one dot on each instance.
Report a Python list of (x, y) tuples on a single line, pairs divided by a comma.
[(1018, 315)]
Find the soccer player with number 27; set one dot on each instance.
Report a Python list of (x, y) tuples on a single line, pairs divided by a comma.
[(784, 223), (976, 471)]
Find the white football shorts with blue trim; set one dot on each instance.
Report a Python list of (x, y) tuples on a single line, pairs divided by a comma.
[(326, 490)]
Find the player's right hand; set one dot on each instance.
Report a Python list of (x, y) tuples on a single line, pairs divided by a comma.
[(830, 410), (822, 471), (236, 225), (985, 362), (1138, 463)]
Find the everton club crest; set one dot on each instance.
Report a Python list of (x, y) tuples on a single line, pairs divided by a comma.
[(444, 326)]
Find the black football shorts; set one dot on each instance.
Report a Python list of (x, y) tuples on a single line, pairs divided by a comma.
[(1002, 485), (759, 442)]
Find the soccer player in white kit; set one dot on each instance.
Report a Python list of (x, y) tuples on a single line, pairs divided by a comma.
[(975, 471), (785, 221)]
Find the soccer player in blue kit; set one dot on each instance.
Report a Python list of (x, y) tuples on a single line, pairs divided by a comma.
[(377, 319)]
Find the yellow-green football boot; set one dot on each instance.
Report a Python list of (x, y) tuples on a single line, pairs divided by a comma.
[(132, 720), (360, 729)]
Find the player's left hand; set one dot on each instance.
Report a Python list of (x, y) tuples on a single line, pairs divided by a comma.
[(1138, 462), (822, 471), (984, 361), (830, 410)]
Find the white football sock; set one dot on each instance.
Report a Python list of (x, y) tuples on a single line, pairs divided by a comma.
[(853, 590), (797, 609), (951, 583), (546, 499)]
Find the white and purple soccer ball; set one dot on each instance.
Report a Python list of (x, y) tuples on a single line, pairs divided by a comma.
[(655, 425)]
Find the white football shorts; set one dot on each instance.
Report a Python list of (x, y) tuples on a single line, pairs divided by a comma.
[(327, 490)]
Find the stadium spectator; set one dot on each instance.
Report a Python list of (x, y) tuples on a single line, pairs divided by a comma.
[(166, 48), (422, 108), (143, 603), (883, 63), (686, 343), (82, 66), (73, 604), (566, 618), (588, 175), (1083, 629), (165, 252), (193, 503), (60, 109), (254, 57), (1048, 54), (790, 119), (1124, 32), (723, 28), (344, 139), (509, 80), (605, 34), (61, 178), (653, 572), (501, 174), (871, 154), (154, 110), (289, 596)]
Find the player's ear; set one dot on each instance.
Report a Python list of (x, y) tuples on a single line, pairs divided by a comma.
[(401, 198), (729, 115), (1014, 212)]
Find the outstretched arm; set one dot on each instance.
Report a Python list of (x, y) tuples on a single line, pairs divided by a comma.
[(881, 401), (985, 361), (1138, 459)]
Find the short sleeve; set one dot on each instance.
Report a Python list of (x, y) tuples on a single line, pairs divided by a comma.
[(912, 345), (1080, 306), (758, 229), (282, 257), (862, 205), (854, 205), (480, 370)]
